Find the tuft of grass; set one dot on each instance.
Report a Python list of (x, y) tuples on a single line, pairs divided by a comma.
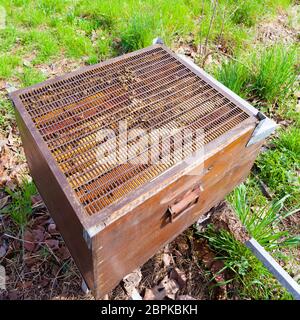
[(8, 37), (261, 222), (20, 206), (246, 13), (267, 76), (31, 76), (279, 167), (275, 73), (76, 44), (6, 113), (235, 76), (247, 272), (43, 42), (289, 141), (7, 65), (137, 33), (248, 275)]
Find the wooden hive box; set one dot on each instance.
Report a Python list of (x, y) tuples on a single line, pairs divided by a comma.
[(117, 202)]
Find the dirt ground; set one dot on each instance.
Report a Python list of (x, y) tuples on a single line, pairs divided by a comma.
[(39, 266)]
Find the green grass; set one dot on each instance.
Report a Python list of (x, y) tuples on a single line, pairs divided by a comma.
[(8, 37), (31, 76), (20, 206), (279, 167), (266, 76), (262, 222), (67, 26), (249, 277), (42, 42), (235, 76), (275, 73), (7, 65), (6, 114), (246, 13), (137, 33), (289, 141)]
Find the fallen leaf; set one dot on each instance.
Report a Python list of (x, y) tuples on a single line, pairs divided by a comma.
[(10, 184), (3, 201), (44, 282), (135, 295), (2, 84), (27, 284), (29, 241), (179, 276), (166, 288), (63, 253), (37, 201), (13, 295), (30, 260), (185, 297), (52, 229), (3, 249), (156, 293), (171, 286), (38, 235), (166, 258), (52, 244), (132, 280)]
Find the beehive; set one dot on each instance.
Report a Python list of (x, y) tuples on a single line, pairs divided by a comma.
[(116, 200)]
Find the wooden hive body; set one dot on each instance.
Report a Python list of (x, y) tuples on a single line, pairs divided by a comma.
[(112, 227)]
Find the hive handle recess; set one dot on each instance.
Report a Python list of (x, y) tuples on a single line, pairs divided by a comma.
[(189, 199)]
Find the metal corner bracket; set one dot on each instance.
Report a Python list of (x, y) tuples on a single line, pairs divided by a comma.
[(87, 239), (264, 128)]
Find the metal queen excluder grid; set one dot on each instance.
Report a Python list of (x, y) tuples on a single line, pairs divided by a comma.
[(150, 89)]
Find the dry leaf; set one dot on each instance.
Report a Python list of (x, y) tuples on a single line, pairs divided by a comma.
[(52, 244), (185, 297), (63, 253), (52, 229), (135, 295), (37, 201), (3, 250), (156, 293), (166, 258), (132, 280), (29, 241), (171, 287), (3, 201), (179, 276)]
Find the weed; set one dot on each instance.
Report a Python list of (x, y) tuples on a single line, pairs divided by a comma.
[(77, 45), (8, 38), (43, 42), (289, 141), (246, 13), (279, 167), (7, 65), (261, 222), (31, 76), (247, 273), (6, 114), (235, 76), (137, 33), (20, 207), (275, 73)]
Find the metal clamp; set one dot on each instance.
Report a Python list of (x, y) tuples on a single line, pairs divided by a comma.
[(265, 127)]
